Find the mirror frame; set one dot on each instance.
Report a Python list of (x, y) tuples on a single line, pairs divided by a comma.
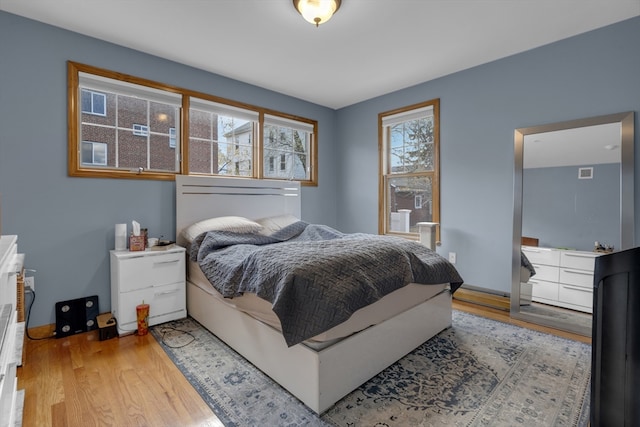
[(627, 222)]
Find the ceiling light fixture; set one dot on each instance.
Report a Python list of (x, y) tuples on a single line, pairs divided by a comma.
[(317, 11)]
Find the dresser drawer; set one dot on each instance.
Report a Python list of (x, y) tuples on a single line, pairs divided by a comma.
[(579, 260), (544, 256), (576, 295), (545, 272), (150, 270), (162, 300), (543, 289), (582, 278)]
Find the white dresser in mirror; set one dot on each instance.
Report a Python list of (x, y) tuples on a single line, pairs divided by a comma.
[(564, 278)]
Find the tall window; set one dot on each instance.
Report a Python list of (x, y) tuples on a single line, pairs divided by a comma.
[(409, 168)]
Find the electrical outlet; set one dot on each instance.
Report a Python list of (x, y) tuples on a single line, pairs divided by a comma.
[(30, 282), (452, 257)]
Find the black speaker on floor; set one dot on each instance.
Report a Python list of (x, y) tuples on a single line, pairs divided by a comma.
[(76, 316)]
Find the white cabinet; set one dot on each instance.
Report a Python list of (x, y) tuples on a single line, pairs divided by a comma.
[(11, 334), (544, 284), (156, 278), (563, 277), (576, 280)]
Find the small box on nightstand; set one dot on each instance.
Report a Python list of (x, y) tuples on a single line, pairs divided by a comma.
[(107, 326)]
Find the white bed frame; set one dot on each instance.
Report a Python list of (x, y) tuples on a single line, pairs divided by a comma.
[(319, 378)]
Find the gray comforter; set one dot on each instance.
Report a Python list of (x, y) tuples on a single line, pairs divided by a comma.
[(524, 262), (314, 276)]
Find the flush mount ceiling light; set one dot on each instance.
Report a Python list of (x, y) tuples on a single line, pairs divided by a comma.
[(317, 11)]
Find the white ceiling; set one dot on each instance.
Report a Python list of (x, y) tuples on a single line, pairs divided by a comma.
[(585, 146), (369, 48)]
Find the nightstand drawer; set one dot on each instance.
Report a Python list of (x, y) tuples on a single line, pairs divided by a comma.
[(151, 270), (163, 300), (155, 278)]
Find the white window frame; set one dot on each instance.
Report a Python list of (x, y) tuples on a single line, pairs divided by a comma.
[(141, 130), (94, 94), (172, 137), (94, 145), (417, 202)]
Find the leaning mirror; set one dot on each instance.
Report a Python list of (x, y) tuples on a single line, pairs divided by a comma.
[(573, 201)]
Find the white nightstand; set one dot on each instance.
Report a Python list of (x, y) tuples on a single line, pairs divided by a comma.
[(155, 277)]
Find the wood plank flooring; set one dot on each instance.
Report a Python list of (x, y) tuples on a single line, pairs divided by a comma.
[(129, 381), (483, 298)]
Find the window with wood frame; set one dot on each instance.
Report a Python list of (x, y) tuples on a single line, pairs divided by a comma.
[(122, 126), (409, 184)]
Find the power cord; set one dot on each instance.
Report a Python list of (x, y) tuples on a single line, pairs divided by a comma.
[(171, 333), (167, 332), (26, 328)]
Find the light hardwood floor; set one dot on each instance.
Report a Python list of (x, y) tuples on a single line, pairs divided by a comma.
[(129, 381)]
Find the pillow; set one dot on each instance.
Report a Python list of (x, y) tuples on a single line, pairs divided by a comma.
[(236, 224), (274, 223)]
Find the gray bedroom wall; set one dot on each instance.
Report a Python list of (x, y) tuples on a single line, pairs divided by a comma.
[(66, 225), (563, 211), (591, 74)]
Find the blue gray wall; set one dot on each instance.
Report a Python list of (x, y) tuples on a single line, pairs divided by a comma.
[(65, 225), (588, 75), (563, 211)]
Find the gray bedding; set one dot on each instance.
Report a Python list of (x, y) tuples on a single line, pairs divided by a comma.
[(524, 262), (315, 276)]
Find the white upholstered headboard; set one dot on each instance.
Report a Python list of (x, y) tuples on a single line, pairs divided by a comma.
[(199, 198)]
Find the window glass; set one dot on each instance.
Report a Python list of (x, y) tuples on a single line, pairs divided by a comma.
[(289, 141), (221, 139), (412, 146), (93, 102), (409, 202), (94, 153), (134, 128), (128, 127)]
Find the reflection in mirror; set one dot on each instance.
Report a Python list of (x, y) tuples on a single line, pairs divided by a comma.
[(573, 201)]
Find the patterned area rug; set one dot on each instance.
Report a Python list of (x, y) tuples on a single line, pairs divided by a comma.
[(479, 372), (583, 320)]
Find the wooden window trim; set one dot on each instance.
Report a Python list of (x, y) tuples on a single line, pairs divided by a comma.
[(383, 168), (74, 147)]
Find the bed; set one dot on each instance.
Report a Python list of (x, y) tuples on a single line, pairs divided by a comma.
[(321, 368), (526, 272)]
